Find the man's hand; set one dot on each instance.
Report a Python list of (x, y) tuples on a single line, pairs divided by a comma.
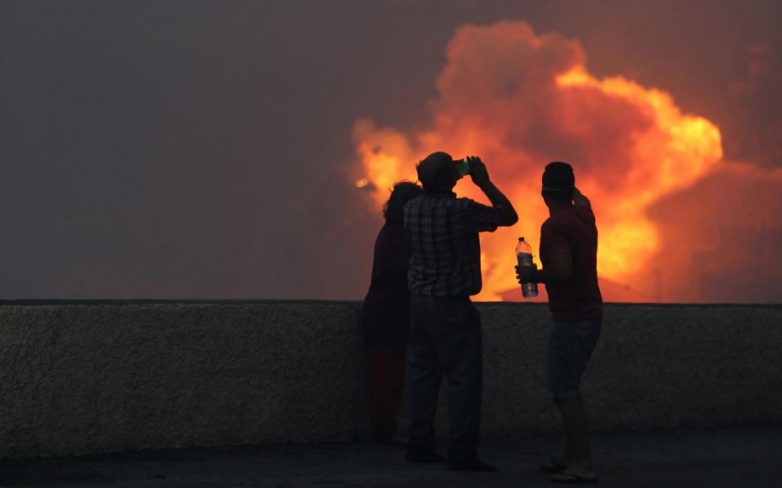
[(478, 171), (526, 274)]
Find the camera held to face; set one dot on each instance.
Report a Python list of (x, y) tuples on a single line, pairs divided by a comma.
[(462, 167)]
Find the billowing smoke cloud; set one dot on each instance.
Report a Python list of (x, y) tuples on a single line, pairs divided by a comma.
[(519, 100), (721, 238)]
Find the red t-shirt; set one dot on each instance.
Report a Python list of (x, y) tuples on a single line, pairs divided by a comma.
[(579, 297)]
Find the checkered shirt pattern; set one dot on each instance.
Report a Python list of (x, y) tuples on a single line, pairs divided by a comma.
[(446, 252)]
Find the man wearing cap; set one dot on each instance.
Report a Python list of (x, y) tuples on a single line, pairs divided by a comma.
[(445, 335), (568, 252)]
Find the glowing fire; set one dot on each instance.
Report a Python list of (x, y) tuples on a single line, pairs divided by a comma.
[(519, 100)]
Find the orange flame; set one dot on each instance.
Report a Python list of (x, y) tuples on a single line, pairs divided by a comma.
[(520, 100)]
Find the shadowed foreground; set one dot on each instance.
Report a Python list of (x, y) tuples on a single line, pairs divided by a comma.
[(713, 458)]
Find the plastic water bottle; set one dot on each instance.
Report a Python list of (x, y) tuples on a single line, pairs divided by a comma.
[(524, 257)]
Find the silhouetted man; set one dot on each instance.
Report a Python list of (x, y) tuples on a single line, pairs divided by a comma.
[(568, 251), (445, 336)]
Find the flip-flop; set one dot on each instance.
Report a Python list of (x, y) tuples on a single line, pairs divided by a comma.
[(573, 478), (553, 466)]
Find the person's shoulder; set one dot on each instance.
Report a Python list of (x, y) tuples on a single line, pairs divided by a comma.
[(569, 216), (579, 218), (468, 203), (554, 224), (414, 201), (559, 217), (391, 234), (584, 213), (413, 205)]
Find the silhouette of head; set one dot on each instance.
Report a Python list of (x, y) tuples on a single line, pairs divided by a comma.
[(437, 172), (402, 193), (558, 182)]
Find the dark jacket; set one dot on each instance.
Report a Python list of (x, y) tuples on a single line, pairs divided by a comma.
[(385, 316)]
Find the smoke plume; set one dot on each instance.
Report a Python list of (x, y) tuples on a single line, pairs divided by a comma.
[(520, 99)]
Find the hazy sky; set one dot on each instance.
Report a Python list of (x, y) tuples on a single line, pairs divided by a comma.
[(199, 149)]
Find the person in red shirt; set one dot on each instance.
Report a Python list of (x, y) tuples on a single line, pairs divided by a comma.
[(385, 316), (568, 252)]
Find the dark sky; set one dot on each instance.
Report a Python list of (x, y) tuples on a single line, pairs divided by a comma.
[(200, 149)]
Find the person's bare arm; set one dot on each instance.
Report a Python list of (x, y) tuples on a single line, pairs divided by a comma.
[(480, 176), (559, 268), (580, 200)]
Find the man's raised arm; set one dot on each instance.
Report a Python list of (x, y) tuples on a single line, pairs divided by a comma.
[(480, 176), (579, 200)]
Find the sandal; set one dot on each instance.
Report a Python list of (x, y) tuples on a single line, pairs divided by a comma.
[(553, 466), (573, 478)]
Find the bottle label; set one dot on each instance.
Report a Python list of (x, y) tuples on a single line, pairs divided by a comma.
[(524, 259), (528, 290)]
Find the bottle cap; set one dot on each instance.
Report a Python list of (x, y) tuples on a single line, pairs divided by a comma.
[(521, 238)]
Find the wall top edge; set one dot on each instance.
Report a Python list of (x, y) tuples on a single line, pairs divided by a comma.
[(151, 301)]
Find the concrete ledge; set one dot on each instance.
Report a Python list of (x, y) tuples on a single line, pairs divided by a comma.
[(80, 377)]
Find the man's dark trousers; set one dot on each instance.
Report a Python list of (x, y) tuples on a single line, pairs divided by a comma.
[(445, 339)]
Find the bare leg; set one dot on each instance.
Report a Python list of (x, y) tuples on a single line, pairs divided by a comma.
[(576, 453), (568, 456)]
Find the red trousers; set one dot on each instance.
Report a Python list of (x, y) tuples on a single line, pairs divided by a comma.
[(387, 373)]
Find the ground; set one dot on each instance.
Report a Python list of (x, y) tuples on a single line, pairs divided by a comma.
[(708, 458)]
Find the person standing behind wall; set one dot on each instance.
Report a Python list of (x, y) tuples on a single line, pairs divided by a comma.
[(445, 334), (385, 317), (568, 251)]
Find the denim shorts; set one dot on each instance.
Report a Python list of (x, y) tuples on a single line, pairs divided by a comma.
[(569, 350)]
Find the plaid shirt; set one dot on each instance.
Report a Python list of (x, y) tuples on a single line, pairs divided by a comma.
[(446, 253)]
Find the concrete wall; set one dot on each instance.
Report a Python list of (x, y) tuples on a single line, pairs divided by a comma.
[(110, 376)]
